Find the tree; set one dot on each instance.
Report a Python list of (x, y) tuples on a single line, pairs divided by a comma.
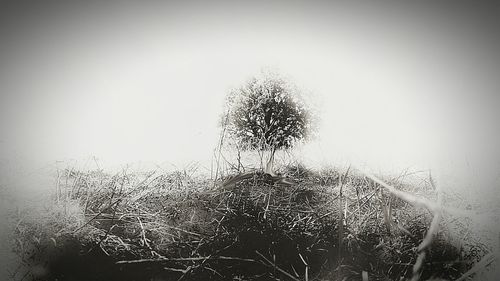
[(267, 114)]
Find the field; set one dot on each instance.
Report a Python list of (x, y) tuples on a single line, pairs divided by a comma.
[(328, 224)]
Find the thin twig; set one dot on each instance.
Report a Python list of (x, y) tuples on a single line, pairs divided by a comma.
[(433, 228), (183, 259), (341, 216), (420, 202), (277, 267), (485, 261)]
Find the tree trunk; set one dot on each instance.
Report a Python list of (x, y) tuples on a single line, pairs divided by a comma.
[(270, 162)]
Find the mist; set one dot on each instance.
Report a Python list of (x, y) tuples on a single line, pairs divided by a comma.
[(397, 86)]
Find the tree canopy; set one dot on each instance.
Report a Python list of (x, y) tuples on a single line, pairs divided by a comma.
[(267, 113)]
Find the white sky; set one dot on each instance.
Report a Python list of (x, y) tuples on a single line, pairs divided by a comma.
[(397, 87)]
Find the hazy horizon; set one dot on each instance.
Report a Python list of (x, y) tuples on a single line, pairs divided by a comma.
[(397, 85)]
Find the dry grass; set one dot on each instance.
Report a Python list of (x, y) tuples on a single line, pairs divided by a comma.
[(329, 225)]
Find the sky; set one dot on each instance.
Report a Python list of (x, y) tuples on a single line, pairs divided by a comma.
[(396, 85)]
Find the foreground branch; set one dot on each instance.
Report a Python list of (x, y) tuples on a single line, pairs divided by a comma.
[(182, 259)]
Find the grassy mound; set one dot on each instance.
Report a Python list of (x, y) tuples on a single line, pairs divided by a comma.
[(175, 226)]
